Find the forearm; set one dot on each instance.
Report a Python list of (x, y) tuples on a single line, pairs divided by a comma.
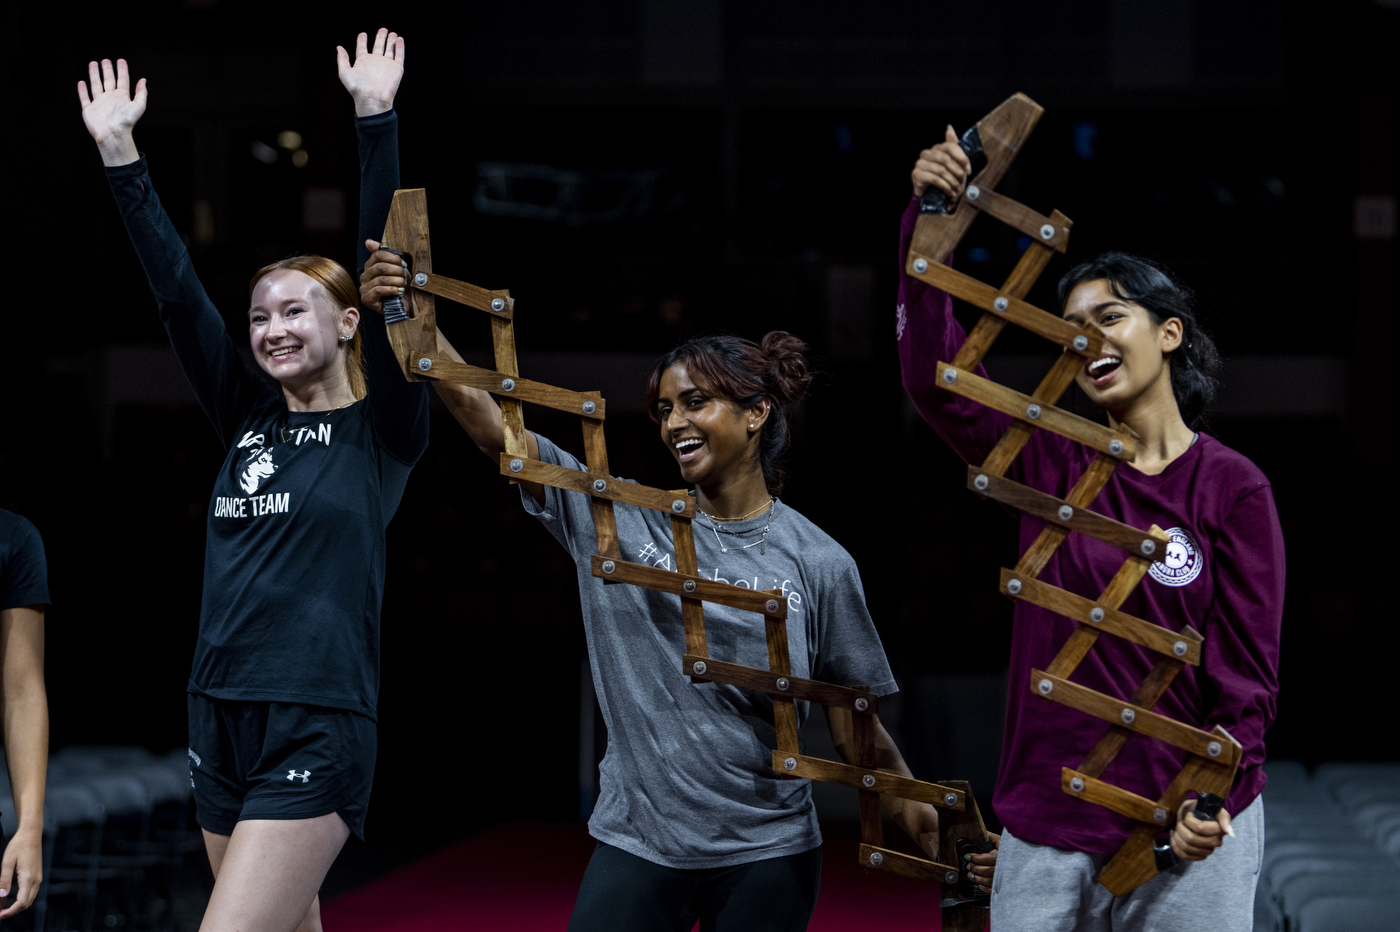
[(914, 817), (25, 712), (118, 148)]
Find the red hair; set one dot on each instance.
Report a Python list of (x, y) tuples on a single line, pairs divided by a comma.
[(330, 275)]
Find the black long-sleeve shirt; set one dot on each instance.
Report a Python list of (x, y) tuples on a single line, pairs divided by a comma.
[(294, 563)]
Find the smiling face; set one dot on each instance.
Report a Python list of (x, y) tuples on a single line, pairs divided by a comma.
[(295, 329), (708, 434), (1135, 363)]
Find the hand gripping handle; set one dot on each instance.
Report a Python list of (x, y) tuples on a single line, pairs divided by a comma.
[(1208, 807), (934, 201)]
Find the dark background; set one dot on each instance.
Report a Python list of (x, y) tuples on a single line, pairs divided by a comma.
[(679, 166)]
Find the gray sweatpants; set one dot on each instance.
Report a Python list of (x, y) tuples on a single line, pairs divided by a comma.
[(1042, 889)]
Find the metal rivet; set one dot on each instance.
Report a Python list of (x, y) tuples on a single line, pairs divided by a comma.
[(600, 485), (498, 304), (1066, 512), (1046, 687), (950, 799), (1081, 343), (973, 192), (1013, 586), (678, 506), (876, 859), (1115, 447), (1149, 547), (950, 878), (771, 606), (1077, 785), (1096, 615), (609, 566), (1033, 412), (862, 704), (1214, 749), (420, 279), (425, 364), (688, 585), (981, 483), (950, 375), (921, 266), (516, 465), (1179, 648), (507, 385), (1128, 716), (589, 407), (782, 683), (1001, 304), (699, 669), (1159, 815), (790, 763), (867, 781), (1047, 231)]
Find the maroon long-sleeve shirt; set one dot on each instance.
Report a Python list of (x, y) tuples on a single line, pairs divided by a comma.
[(1224, 575)]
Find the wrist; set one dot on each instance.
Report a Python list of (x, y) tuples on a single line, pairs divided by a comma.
[(118, 149), (372, 106)]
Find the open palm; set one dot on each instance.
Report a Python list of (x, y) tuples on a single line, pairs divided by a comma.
[(374, 78), (112, 110)]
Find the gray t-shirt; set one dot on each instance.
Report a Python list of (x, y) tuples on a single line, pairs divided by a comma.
[(687, 780)]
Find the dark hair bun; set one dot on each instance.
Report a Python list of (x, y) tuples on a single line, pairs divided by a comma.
[(788, 374)]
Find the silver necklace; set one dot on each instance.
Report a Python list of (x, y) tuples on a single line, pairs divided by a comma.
[(760, 543)]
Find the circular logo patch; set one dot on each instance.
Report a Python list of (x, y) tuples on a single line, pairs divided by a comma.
[(1183, 561)]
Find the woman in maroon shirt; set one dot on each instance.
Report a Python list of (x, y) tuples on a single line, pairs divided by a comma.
[(1224, 576)]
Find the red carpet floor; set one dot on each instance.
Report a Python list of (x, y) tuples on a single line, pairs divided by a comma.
[(523, 878)]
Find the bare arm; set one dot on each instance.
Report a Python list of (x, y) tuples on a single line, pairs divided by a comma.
[(25, 714), (919, 820)]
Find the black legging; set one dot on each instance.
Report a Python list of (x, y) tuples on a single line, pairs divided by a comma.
[(624, 893)]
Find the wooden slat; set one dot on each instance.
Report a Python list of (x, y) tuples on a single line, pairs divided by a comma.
[(906, 865), (766, 681), (595, 449), (1085, 490), (692, 610), (1032, 262), (1034, 502), (1149, 692), (1112, 797), (872, 823), (468, 294), (1121, 624), (512, 415), (1083, 638), (887, 784), (1145, 722), (979, 294), (617, 490), (780, 664), (489, 380), (1003, 399), (979, 339), (1018, 216), (1051, 387), (960, 826), (406, 230), (651, 577)]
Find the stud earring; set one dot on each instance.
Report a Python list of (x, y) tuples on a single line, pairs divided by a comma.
[(750, 427), (343, 338)]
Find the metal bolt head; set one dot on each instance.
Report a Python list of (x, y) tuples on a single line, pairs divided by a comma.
[(862, 704), (688, 585), (950, 878), (950, 799), (609, 566), (1128, 716), (921, 266), (1001, 304), (1013, 586), (1081, 343), (981, 483), (867, 781), (876, 859), (425, 364), (1046, 687), (1115, 447), (1047, 231), (507, 385), (420, 279), (1033, 412), (790, 763), (771, 606), (1077, 785), (516, 465), (498, 304), (1066, 512), (1096, 615), (1179, 648), (973, 192), (1159, 815), (600, 485), (699, 668), (1214, 749), (782, 683), (678, 506), (950, 375), (589, 407), (1149, 547)]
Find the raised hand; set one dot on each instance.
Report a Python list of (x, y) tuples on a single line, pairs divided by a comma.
[(111, 111), (374, 78), (385, 275), (945, 166)]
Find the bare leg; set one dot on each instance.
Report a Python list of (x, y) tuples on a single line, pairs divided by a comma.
[(268, 870)]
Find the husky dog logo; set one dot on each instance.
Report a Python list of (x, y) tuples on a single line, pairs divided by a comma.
[(1182, 563), (259, 464)]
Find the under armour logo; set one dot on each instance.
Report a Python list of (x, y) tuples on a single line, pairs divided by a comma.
[(305, 775)]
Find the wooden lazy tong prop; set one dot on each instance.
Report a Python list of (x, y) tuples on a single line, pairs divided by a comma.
[(1214, 755)]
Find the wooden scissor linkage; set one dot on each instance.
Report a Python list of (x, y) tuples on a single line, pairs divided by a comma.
[(414, 341), (1214, 755)]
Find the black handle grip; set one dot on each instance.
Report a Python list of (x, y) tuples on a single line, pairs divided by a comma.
[(1208, 807), (394, 310), (935, 201)]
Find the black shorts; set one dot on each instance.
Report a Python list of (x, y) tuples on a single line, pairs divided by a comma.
[(278, 760)]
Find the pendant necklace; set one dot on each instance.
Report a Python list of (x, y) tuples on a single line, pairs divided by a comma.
[(760, 543)]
